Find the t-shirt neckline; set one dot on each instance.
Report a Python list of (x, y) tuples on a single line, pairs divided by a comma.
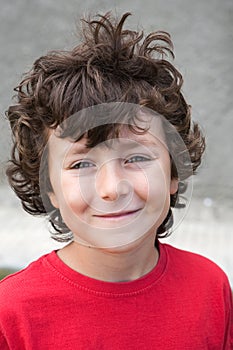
[(92, 285)]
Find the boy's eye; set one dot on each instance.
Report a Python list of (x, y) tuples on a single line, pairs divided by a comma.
[(138, 158), (82, 165)]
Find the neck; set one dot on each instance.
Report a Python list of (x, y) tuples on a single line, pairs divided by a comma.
[(111, 265)]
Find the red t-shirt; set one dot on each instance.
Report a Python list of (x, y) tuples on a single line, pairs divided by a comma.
[(183, 303)]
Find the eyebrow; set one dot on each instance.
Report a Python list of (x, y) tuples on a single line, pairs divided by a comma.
[(148, 142), (141, 142), (77, 149), (82, 149)]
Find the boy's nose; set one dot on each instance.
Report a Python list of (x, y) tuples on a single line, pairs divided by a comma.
[(111, 182)]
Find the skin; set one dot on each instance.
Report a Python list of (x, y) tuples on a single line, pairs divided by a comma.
[(113, 198)]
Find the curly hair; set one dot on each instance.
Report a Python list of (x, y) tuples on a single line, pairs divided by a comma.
[(111, 64)]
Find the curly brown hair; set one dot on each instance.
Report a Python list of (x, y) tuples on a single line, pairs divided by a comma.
[(111, 64)]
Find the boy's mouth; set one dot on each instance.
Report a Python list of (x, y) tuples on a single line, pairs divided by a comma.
[(119, 215)]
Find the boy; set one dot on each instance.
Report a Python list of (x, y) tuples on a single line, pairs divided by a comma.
[(102, 144)]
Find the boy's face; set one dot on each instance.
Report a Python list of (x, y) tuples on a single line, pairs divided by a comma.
[(115, 193)]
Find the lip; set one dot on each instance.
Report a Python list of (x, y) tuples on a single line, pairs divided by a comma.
[(118, 215)]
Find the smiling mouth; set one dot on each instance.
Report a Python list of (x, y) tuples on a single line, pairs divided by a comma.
[(118, 215)]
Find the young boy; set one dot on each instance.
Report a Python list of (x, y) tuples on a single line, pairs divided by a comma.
[(103, 143)]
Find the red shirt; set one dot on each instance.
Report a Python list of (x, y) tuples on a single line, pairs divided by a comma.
[(183, 303)]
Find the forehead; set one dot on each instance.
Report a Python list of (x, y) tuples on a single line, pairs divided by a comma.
[(147, 128), (126, 139)]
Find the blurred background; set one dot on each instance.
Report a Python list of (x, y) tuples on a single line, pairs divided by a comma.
[(202, 32)]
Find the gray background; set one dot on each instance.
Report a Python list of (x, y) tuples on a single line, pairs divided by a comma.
[(202, 32)]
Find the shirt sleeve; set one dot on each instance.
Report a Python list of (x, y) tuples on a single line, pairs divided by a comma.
[(229, 329), (3, 342), (231, 322)]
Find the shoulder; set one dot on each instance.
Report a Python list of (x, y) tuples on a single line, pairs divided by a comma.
[(21, 283), (179, 256), (194, 266)]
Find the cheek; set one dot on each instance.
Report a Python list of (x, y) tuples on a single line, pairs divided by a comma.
[(74, 196), (68, 197), (155, 182), (158, 192)]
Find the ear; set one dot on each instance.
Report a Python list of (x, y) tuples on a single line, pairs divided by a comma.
[(53, 199), (174, 186)]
